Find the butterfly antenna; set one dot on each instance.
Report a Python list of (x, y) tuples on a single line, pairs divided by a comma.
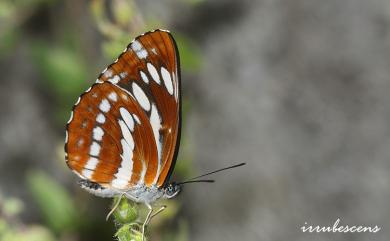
[(192, 181), (209, 173)]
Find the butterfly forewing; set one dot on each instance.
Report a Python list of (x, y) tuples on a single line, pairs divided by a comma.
[(150, 64), (125, 129)]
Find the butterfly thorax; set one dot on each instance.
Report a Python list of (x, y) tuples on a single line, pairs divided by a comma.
[(144, 194), (139, 194)]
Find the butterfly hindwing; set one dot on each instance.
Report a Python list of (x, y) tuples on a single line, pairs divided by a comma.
[(109, 136), (125, 129)]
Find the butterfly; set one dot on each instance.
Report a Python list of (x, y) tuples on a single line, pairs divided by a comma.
[(122, 138)]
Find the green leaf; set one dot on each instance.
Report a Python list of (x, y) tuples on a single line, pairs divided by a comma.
[(63, 69), (54, 201), (8, 40), (64, 75)]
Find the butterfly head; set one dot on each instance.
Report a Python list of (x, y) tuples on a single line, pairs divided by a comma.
[(171, 190)]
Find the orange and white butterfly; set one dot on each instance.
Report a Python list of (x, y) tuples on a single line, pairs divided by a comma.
[(123, 135)]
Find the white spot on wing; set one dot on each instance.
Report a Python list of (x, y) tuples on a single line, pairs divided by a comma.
[(155, 121), (136, 46), (115, 79), (95, 149), (126, 134), (118, 182), (98, 133), (141, 97), (123, 176), (142, 54), (144, 77), (80, 142), (153, 72), (139, 49), (142, 175), (136, 119), (113, 96), (128, 148), (100, 118), (126, 117), (104, 105), (167, 80), (107, 73), (91, 163), (87, 173), (84, 124), (123, 74)]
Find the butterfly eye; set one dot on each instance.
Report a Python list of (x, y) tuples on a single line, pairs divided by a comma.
[(172, 190)]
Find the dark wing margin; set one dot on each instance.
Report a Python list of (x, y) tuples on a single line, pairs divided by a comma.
[(167, 171)]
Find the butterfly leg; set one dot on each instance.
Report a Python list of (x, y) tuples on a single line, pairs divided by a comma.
[(149, 217), (162, 208), (115, 206), (146, 220)]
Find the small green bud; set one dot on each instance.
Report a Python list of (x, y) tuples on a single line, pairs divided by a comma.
[(129, 232), (126, 212)]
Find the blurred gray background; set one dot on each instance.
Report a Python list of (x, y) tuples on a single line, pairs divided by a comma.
[(299, 90)]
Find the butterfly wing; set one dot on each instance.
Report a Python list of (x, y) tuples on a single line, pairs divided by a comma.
[(110, 140), (151, 62), (145, 83)]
